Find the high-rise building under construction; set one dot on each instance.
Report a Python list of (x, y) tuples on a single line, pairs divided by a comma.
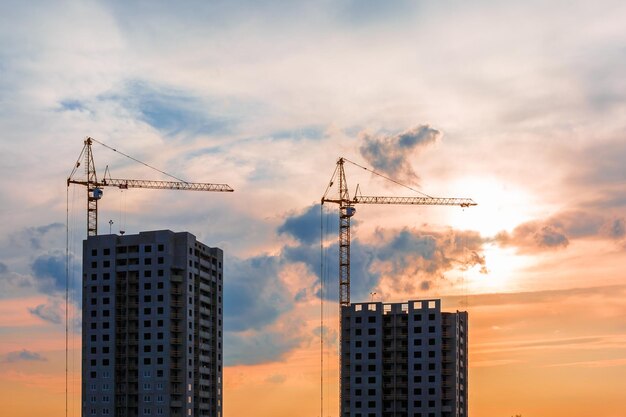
[(152, 326), (403, 359)]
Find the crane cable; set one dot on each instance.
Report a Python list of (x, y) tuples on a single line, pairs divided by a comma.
[(321, 310), (387, 178), (67, 284), (138, 161)]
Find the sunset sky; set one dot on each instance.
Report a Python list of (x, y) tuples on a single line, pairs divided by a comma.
[(518, 105)]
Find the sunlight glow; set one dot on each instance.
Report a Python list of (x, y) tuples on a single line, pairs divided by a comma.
[(500, 206), (503, 266)]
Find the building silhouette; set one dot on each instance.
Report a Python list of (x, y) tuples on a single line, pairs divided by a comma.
[(152, 326), (403, 359)]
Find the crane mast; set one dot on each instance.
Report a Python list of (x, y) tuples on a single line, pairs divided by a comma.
[(346, 211), (94, 187)]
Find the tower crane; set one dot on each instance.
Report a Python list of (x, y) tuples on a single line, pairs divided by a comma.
[(347, 210), (94, 186)]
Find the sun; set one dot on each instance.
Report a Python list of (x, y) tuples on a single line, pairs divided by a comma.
[(500, 206)]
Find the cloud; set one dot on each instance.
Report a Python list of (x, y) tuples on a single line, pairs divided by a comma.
[(304, 132), (391, 154), (331, 337), (408, 258), (254, 295), (254, 347), (49, 271), (361, 258), (276, 379), (538, 297), (557, 231), (39, 237), (3, 268), (169, 110), (23, 355), (305, 227), (52, 311)]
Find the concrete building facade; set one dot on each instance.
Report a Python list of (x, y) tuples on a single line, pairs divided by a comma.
[(403, 360), (152, 326)]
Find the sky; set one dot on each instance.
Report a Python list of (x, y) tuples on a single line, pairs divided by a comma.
[(518, 105)]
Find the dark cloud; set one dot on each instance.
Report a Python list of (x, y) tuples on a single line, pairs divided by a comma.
[(361, 258), (254, 295), (49, 271), (305, 226), (390, 154), (255, 298), (170, 110), (557, 231), (617, 229), (50, 312), (40, 237), (276, 379), (3, 268), (416, 258), (23, 355), (250, 348), (331, 337)]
